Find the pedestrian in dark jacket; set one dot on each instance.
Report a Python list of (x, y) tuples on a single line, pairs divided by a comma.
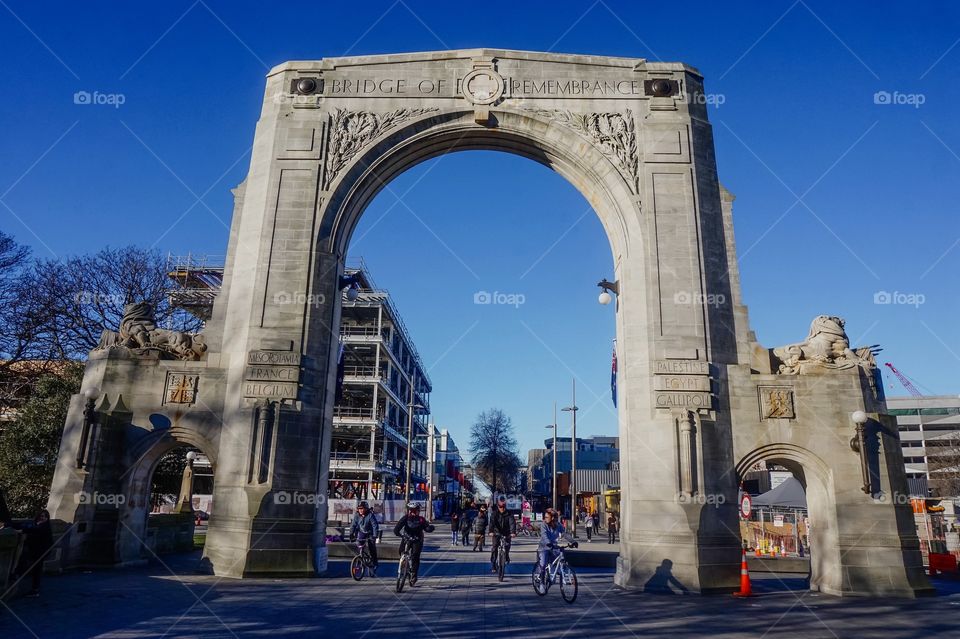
[(4, 513), (466, 525), (38, 542), (455, 526), (480, 529), (611, 528)]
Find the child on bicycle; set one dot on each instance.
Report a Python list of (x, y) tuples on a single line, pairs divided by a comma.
[(551, 532)]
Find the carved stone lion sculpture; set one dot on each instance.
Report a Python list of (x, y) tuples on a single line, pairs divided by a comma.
[(826, 347), (139, 333)]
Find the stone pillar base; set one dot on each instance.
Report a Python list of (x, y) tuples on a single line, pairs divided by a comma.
[(261, 548), (670, 568)]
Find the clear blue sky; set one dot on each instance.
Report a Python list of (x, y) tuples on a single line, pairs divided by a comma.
[(878, 182)]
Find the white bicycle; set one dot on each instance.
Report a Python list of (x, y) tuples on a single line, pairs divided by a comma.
[(558, 571)]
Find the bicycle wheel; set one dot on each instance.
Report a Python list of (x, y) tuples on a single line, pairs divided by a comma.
[(501, 560), (402, 573), (357, 568), (568, 583), (539, 586)]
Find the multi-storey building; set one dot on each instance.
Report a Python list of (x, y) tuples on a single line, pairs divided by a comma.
[(446, 463), (929, 428), (383, 382), (598, 466)]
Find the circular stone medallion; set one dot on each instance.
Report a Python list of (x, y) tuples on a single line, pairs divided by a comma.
[(482, 86)]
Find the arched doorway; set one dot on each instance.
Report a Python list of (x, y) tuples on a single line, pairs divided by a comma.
[(817, 532), (156, 518)]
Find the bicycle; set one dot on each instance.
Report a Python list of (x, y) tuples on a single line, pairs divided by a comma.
[(557, 570), (405, 568), (362, 564), (526, 530), (501, 561)]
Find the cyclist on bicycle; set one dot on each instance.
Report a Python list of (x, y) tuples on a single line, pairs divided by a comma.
[(410, 529), (502, 526), (551, 532), (367, 528)]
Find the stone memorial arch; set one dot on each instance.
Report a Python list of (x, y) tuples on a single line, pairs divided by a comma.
[(701, 400)]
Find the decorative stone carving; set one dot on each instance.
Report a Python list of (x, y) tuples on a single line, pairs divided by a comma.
[(776, 402), (613, 133), (827, 347), (350, 131), (139, 334), (482, 86), (181, 388)]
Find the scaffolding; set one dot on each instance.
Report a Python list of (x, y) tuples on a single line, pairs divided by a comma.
[(197, 280)]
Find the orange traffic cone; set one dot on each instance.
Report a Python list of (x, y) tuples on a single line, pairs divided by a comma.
[(758, 552), (745, 590)]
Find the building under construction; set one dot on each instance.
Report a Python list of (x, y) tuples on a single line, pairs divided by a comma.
[(382, 377), (385, 396)]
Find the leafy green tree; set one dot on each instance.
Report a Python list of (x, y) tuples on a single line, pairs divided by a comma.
[(30, 443)]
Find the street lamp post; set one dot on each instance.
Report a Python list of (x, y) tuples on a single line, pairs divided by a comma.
[(411, 407), (573, 459), (553, 466)]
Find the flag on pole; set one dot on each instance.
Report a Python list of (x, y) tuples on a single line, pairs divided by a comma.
[(613, 375)]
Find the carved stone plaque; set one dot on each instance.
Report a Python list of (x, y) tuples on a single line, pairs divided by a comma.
[(181, 388), (776, 402), (683, 400)]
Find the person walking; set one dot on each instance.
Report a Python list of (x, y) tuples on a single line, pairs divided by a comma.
[(480, 529), (611, 528), (455, 527), (38, 542), (466, 524), (588, 526)]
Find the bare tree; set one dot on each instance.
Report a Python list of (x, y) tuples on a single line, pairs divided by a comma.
[(943, 457), (90, 291), (24, 316), (495, 453)]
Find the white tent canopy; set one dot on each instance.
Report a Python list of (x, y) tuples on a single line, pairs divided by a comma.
[(789, 494)]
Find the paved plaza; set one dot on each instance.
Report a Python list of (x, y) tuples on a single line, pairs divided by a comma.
[(456, 597)]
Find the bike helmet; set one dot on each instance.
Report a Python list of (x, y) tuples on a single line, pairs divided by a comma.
[(363, 504), (412, 505)]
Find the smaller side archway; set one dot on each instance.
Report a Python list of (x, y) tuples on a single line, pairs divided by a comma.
[(132, 529), (826, 572)]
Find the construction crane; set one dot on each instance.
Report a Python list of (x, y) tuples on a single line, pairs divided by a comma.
[(904, 381)]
